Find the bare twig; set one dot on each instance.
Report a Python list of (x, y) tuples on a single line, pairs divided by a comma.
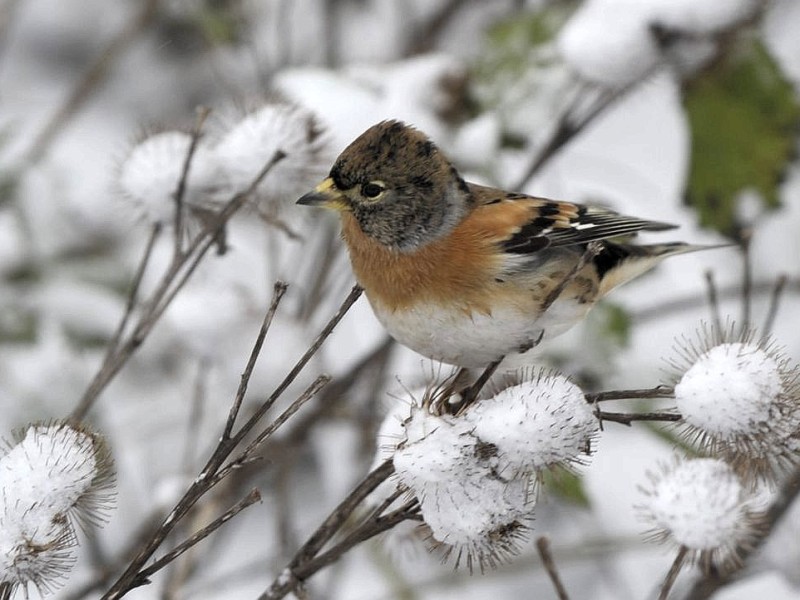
[(673, 573), (713, 581), (747, 279), (628, 418), (423, 37), (91, 80), (287, 414), (371, 528), (172, 281), (543, 546), (772, 311), (293, 574), (278, 291), (661, 391), (251, 498), (569, 125), (133, 293), (688, 302), (592, 250), (213, 471), (713, 301), (180, 191)]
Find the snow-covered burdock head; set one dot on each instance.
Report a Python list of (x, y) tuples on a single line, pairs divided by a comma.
[(540, 423), (702, 506), (474, 473), (740, 401), (56, 474), (152, 171), (247, 146), (474, 513)]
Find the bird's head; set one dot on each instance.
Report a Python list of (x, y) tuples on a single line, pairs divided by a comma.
[(401, 189)]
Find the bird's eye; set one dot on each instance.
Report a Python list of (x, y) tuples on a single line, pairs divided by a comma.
[(373, 189)]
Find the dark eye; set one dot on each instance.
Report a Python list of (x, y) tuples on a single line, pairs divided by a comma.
[(371, 189)]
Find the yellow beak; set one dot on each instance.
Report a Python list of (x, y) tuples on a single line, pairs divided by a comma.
[(326, 195)]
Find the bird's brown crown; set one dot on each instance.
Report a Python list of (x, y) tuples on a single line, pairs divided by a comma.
[(400, 188)]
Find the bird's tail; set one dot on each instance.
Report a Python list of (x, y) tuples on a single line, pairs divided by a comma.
[(619, 263)]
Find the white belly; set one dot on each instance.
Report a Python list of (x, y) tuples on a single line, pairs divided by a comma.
[(474, 341)]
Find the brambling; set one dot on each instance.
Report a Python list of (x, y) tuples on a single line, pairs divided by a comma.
[(467, 274)]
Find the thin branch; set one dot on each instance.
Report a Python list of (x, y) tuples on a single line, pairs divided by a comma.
[(747, 279), (713, 301), (278, 291), (772, 311), (470, 395), (288, 579), (569, 125), (672, 575), (592, 250), (705, 587), (91, 80), (251, 498), (543, 546), (133, 294), (366, 531), (628, 418), (182, 266), (180, 192), (423, 37), (351, 298), (212, 473), (661, 391), (691, 301), (310, 392)]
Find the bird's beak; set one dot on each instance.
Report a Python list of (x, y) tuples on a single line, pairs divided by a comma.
[(326, 195)]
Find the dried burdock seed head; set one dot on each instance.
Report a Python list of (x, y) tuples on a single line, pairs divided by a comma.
[(149, 176), (740, 401), (243, 150), (702, 505), (541, 422), (472, 513), (53, 476)]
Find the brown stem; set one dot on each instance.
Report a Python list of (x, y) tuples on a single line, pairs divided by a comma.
[(628, 418), (672, 575), (91, 80), (278, 291), (543, 546), (283, 584), (251, 498), (661, 391)]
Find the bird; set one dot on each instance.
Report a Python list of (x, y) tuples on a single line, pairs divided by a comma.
[(466, 274)]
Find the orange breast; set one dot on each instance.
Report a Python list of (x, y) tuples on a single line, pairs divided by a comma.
[(460, 267)]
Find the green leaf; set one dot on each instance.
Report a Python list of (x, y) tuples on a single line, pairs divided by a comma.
[(744, 116), (566, 485), (514, 48)]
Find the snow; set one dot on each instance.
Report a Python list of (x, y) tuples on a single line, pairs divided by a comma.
[(699, 503), (244, 150), (42, 479), (540, 423), (150, 175), (633, 50), (730, 390)]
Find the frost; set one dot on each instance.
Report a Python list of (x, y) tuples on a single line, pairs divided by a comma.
[(250, 144), (633, 49), (150, 175), (468, 506), (535, 424), (700, 504), (53, 474), (730, 390)]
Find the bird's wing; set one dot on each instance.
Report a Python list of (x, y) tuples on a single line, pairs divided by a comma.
[(529, 224)]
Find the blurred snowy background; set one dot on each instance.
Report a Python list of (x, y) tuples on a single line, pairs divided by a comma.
[(678, 111)]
